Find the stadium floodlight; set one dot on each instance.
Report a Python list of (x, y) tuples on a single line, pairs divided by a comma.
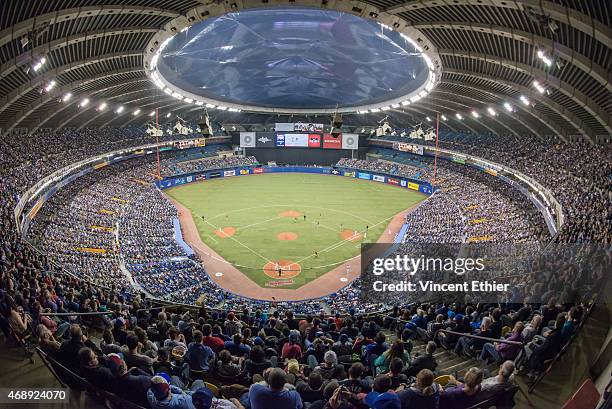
[(119, 109), (199, 103), (524, 100), (362, 130), (374, 110), (443, 118), (84, 102), (395, 106), (188, 100), (385, 108), (66, 96), (539, 87), (475, 114), (136, 112), (210, 106), (222, 108), (39, 64), (168, 91), (233, 110), (50, 85), (545, 59), (508, 107), (491, 111), (151, 113), (459, 116), (406, 102), (102, 106), (168, 115), (428, 119)]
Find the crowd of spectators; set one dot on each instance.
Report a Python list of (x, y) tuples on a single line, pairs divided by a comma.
[(577, 173), (267, 357)]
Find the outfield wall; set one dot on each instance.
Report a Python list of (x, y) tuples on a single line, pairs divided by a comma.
[(401, 182)]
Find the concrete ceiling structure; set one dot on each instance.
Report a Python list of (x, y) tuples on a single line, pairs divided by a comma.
[(490, 53)]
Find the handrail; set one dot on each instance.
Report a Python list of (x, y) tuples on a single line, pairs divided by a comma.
[(74, 314), (503, 341)]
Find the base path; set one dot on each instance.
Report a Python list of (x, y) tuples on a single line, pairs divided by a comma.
[(235, 281)]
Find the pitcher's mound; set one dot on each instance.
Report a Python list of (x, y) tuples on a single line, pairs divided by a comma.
[(290, 213), (351, 235), (287, 235), (225, 232), (288, 268)]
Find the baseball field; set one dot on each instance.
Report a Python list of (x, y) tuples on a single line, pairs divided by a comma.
[(285, 230)]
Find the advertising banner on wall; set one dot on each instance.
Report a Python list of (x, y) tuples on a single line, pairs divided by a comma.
[(244, 171), (363, 175), (413, 186), (298, 127), (280, 140), (264, 140), (378, 178), (283, 127), (258, 170), (247, 139), (392, 181), (229, 173), (350, 141), (348, 174), (332, 142), (314, 140), (408, 147), (307, 127), (296, 140)]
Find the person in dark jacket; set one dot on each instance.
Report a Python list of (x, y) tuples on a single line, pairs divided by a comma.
[(424, 394), (553, 342), (92, 370), (426, 361), (132, 386)]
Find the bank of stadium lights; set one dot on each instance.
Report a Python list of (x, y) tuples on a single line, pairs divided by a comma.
[(544, 58), (491, 111), (84, 102), (428, 119), (459, 116), (406, 102), (443, 118), (395, 106), (198, 103), (168, 91), (222, 108), (539, 87), (38, 65), (210, 106), (374, 110), (168, 115), (385, 108), (50, 85), (136, 112), (102, 106), (151, 113), (524, 100), (66, 96), (508, 107), (234, 110), (119, 109), (188, 100), (475, 114)]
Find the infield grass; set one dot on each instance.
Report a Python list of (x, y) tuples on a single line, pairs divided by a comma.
[(252, 206)]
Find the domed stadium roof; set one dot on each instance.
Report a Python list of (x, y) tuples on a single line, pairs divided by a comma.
[(293, 58), (548, 61)]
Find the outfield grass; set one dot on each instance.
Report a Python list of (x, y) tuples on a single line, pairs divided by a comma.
[(252, 204)]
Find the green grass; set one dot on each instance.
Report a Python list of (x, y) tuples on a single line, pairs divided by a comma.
[(252, 204)]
